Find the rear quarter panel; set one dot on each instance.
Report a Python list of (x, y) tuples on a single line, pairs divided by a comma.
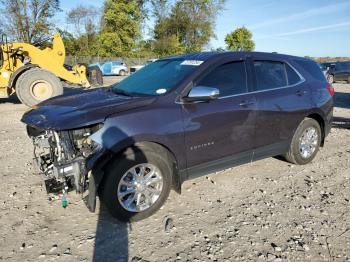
[(322, 101)]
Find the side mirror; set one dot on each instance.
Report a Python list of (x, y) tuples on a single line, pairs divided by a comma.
[(202, 94)]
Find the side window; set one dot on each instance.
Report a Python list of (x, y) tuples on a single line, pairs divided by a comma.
[(293, 77), (116, 63), (230, 79), (270, 74)]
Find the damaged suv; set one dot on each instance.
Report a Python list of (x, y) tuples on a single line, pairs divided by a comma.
[(178, 118)]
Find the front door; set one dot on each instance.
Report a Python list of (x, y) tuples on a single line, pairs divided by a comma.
[(221, 130)]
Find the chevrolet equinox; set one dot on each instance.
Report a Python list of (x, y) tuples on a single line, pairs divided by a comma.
[(175, 119)]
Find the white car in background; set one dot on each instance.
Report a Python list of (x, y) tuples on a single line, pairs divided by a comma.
[(111, 68), (133, 69)]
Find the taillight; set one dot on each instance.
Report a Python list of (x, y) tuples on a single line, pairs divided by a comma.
[(330, 90)]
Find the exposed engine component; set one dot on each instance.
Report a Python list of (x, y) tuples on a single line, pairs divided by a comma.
[(60, 156)]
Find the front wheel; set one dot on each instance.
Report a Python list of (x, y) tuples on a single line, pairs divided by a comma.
[(137, 184), (305, 143)]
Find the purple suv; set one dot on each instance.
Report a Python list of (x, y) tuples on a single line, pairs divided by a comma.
[(178, 118)]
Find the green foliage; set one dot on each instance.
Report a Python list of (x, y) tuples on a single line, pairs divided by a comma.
[(188, 27), (28, 20), (84, 40), (168, 45), (121, 27), (240, 40)]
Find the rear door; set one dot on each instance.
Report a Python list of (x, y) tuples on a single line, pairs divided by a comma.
[(282, 97), (221, 128)]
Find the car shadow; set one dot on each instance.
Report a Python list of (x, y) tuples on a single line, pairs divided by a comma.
[(67, 90), (341, 122), (338, 122), (342, 100), (13, 99), (111, 240)]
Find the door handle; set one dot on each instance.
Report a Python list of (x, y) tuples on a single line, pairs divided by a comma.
[(246, 103), (301, 92)]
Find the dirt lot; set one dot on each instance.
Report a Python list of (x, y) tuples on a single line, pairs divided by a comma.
[(267, 210)]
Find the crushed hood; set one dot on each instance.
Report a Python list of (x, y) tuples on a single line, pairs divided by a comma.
[(82, 108)]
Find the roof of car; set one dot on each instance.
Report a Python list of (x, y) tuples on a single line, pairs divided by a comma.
[(203, 56)]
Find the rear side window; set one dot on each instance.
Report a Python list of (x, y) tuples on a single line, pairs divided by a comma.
[(293, 77), (270, 74), (312, 68), (230, 79)]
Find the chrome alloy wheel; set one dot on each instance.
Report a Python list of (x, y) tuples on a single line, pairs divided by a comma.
[(140, 187), (308, 142)]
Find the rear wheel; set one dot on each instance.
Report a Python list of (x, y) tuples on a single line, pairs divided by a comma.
[(137, 183), (37, 85), (330, 79), (305, 143)]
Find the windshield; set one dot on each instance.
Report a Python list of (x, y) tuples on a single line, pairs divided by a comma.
[(157, 78)]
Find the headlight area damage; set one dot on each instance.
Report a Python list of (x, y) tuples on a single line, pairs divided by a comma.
[(61, 157)]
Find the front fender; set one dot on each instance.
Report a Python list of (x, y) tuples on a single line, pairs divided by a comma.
[(161, 125)]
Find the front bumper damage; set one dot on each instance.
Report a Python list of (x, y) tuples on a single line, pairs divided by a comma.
[(66, 160)]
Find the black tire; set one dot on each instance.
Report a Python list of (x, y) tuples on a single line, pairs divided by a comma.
[(330, 79), (115, 170), (31, 79), (94, 75), (122, 72), (294, 154)]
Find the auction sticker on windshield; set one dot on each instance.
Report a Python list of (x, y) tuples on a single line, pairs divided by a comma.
[(161, 91), (192, 62)]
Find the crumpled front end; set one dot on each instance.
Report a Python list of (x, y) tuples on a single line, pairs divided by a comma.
[(61, 157)]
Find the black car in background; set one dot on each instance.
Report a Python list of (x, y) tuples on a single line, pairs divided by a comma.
[(337, 71)]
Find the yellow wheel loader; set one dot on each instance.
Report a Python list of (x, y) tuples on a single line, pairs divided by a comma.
[(36, 74)]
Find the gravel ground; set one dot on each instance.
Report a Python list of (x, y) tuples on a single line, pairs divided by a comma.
[(268, 210)]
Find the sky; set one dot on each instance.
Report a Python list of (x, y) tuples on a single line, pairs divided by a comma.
[(297, 27)]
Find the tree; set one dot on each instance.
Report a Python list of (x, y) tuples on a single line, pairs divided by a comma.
[(168, 45), (240, 40), (85, 21), (190, 22), (121, 27), (29, 20)]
